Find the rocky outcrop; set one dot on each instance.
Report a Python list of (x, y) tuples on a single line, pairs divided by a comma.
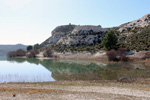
[(57, 33), (75, 35), (140, 23), (89, 35), (83, 35)]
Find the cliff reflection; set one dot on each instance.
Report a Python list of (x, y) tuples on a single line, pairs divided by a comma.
[(67, 70)]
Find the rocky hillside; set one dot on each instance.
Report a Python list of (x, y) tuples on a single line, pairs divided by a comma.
[(83, 35), (58, 33), (76, 35), (135, 35), (139, 40), (140, 23), (73, 35)]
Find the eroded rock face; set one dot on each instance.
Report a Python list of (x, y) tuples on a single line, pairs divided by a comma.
[(88, 34), (140, 23), (75, 35), (57, 33), (83, 35)]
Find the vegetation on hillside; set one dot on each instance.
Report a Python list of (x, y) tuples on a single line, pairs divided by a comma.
[(110, 40), (79, 48), (138, 40)]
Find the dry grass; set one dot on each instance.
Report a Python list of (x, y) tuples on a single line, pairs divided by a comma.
[(28, 90), (81, 90)]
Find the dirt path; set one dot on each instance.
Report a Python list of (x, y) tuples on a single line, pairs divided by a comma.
[(75, 91)]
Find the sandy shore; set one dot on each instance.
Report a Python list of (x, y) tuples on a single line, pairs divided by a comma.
[(75, 90)]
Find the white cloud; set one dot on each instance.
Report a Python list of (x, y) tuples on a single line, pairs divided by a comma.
[(15, 4)]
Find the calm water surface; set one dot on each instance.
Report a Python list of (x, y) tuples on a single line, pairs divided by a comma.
[(34, 70), (23, 72)]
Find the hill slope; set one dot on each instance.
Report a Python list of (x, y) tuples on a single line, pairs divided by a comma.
[(75, 35), (132, 35)]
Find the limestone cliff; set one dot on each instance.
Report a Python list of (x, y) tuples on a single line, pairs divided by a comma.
[(57, 33), (83, 35), (89, 35), (75, 35)]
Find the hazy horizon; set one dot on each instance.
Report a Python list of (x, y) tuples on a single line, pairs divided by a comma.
[(31, 21), (15, 44)]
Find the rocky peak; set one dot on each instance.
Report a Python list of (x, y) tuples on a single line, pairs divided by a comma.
[(63, 29), (140, 23)]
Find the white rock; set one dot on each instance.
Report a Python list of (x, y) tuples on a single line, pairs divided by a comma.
[(140, 23)]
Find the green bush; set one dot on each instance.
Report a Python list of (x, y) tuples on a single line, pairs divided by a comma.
[(29, 48), (36, 46), (110, 40)]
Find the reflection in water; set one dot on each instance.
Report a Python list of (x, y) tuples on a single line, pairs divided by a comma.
[(23, 72), (68, 70), (3, 58)]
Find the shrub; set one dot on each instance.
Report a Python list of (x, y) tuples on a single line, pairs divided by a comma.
[(11, 54), (124, 58), (112, 55), (48, 53), (146, 56), (32, 53), (36, 46), (29, 48), (117, 55), (122, 54), (110, 40), (18, 53)]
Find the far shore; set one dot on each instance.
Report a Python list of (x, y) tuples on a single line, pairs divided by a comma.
[(99, 56)]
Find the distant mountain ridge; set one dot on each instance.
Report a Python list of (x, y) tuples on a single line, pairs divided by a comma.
[(4, 49)]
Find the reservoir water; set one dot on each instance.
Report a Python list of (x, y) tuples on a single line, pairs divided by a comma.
[(34, 70)]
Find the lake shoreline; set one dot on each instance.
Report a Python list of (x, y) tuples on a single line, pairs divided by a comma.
[(71, 90), (98, 56), (113, 84)]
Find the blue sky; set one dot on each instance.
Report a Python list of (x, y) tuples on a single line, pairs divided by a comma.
[(31, 21)]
